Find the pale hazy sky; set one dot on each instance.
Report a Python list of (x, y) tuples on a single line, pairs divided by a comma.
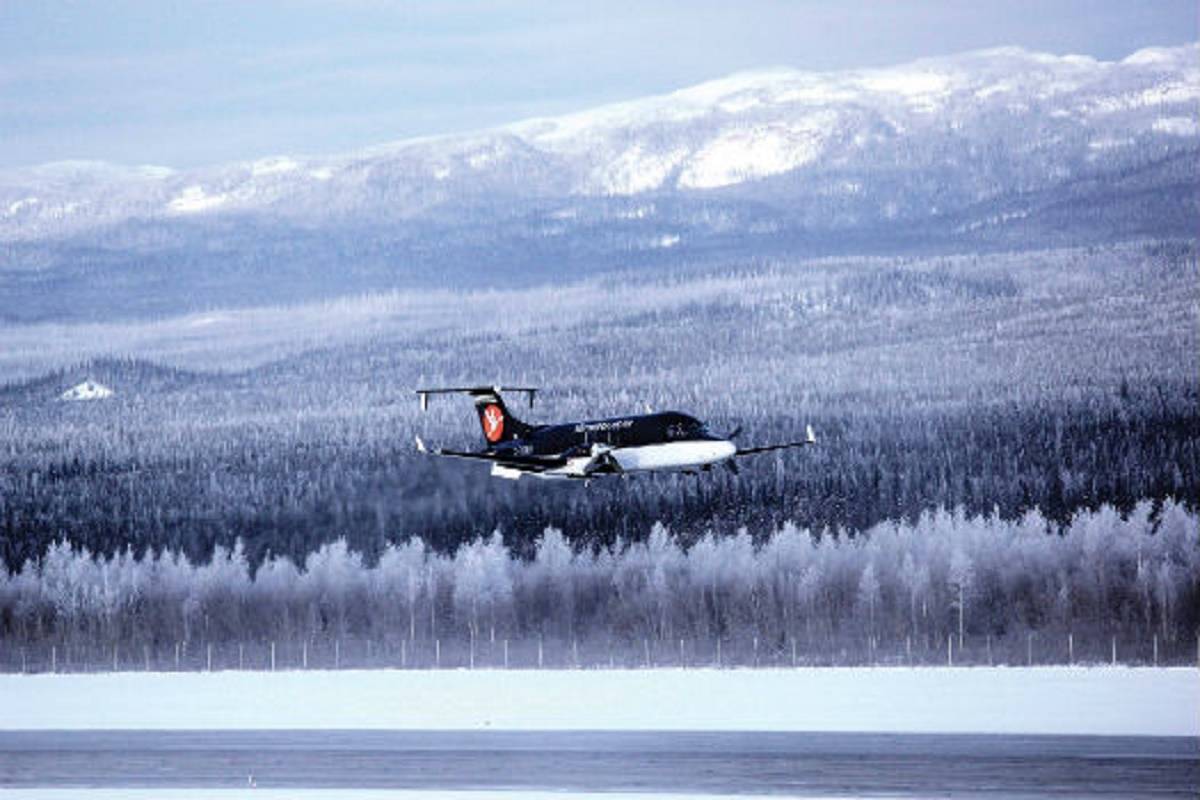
[(188, 83)]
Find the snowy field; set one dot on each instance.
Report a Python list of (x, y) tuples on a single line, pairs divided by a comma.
[(339, 794), (1048, 700)]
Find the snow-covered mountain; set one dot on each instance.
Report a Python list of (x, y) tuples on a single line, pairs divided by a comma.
[(1002, 119), (961, 145)]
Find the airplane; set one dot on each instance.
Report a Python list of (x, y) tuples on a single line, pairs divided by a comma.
[(658, 442)]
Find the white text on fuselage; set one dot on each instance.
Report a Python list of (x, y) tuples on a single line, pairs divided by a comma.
[(614, 425)]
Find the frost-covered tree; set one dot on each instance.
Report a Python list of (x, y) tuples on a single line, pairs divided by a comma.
[(334, 586), (869, 596), (961, 581), (551, 582)]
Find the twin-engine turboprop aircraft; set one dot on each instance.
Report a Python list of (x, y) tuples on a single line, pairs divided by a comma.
[(667, 441)]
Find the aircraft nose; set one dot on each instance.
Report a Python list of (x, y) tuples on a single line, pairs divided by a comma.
[(724, 449)]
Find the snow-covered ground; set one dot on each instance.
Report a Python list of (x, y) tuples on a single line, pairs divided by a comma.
[(123, 793), (1047, 700)]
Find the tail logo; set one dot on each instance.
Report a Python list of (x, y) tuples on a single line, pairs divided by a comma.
[(493, 423)]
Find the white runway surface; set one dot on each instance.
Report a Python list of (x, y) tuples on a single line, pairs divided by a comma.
[(1050, 700), (344, 794)]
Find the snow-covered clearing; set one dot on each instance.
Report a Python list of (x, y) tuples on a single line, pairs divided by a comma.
[(1045, 700)]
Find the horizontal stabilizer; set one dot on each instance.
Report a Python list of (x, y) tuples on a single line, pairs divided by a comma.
[(475, 391)]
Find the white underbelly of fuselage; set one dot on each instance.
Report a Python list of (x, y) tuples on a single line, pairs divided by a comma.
[(673, 455)]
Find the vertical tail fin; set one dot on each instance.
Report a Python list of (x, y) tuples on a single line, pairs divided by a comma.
[(496, 421)]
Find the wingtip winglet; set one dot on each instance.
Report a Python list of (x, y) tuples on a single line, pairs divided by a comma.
[(421, 445), (812, 437)]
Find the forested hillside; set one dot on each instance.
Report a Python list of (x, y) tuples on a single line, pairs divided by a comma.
[(1052, 381)]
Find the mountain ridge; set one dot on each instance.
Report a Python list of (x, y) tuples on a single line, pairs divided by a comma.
[(756, 124), (995, 148)]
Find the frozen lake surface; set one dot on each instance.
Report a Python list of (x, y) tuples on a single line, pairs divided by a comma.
[(102, 764)]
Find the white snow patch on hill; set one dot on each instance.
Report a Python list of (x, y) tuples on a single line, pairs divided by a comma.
[(88, 390), (1159, 56), (744, 154), (194, 199), (919, 86), (1039, 700), (273, 166), (638, 169), (19, 205)]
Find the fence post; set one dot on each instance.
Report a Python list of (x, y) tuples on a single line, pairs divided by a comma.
[(540, 653), (241, 656), (646, 648), (1029, 649), (24, 662), (114, 669), (682, 661), (1070, 649), (949, 651), (210, 657), (989, 649), (793, 651), (756, 651), (177, 656), (472, 650), (404, 654), (272, 656), (146, 653), (506, 653), (1156, 649), (908, 648), (1114, 651), (575, 652), (437, 653), (718, 651), (337, 653)]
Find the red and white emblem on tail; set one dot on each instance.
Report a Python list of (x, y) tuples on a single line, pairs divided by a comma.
[(493, 423)]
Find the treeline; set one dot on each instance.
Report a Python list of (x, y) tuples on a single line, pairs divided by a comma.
[(946, 581)]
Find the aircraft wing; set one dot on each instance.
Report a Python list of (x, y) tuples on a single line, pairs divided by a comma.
[(810, 438), (523, 463)]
